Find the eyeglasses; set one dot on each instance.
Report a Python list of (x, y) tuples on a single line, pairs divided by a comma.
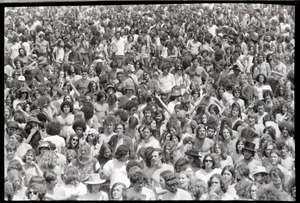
[(208, 160), (32, 192), (75, 139)]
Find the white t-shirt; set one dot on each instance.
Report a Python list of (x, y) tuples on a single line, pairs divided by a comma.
[(58, 141), (179, 195), (117, 172)]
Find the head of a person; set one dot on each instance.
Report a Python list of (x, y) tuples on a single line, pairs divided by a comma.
[(171, 182), (236, 109), (71, 175), (84, 151), (275, 157), (156, 156), (201, 131), (216, 180), (79, 127), (36, 191), (53, 128), (228, 174), (277, 176), (119, 191), (226, 133), (209, 161), (242, 171), (122, 153), (66, 107), (29, 156), (138, 180), (50, 178), (11, 149)]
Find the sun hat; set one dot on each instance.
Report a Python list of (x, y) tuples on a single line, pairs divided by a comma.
[(44, 145), (94, 179)]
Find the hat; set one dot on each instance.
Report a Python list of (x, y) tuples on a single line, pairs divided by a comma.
[(12, 124), (94, 179), (21, 78), (176, 91), (110, 85), (236, 67), (249, 146), (42, 60), (27, 73), (129, 87), (40, 33), (23, 89), (192, 152), (33, 119), (44, 144), (259, 169)]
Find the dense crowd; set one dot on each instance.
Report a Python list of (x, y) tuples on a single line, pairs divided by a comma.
[(149, 102)]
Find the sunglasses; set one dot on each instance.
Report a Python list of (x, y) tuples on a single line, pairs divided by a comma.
[(208, 161), (32, 192), (75, 139)]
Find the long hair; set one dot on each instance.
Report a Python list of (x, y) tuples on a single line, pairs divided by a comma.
[(124, 190)]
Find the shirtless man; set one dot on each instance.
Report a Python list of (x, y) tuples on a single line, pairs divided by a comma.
[(263, 65), (196, 72), (279, 68), (42, 45), (202, 143)]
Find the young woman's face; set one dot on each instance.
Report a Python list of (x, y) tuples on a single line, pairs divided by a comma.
[(107, 153), (183, 180), (29, 157), (146, 133), (274, 159), (153, 124), (215, 181), (240, 146), (75, 141), (32, 195), (95, 188), (218, 149), (175, 139), (119, 129), (109, 127), (172, 131), (235, 111), (227, 176), (261, 79), (226, 134), (66, 109), (188, 145), (208, 162)]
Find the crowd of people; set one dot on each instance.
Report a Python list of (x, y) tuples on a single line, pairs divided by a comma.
[(150, 102)]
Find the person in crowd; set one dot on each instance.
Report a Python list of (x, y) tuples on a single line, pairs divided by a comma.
[(174, 83)]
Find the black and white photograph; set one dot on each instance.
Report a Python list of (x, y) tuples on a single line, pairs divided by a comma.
[(149, 101)]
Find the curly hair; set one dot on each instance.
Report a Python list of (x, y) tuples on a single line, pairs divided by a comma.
[(48, 160), (88, 110), (109, 119), (71, 174), (42, 100), (286, 124), (122, 114), (53, 128), (68, 103), (39, 188), (29, 151), (130, 104), (79, 123)]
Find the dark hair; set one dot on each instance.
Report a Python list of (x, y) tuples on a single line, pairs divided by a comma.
[(124, 190), (222, 184), (121, 151), (79, 123), (229, 168), (180, 163), (68, 103), (213, 159), (53, 128), (49, 176)]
